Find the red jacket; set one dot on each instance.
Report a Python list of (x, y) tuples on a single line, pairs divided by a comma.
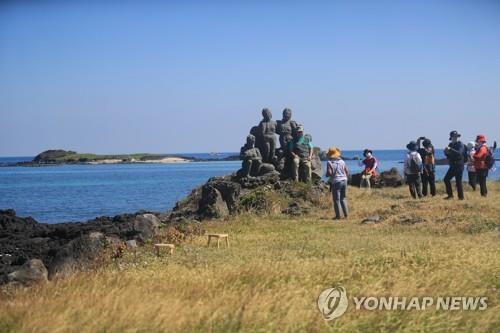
[(480, 157), (370, 163)]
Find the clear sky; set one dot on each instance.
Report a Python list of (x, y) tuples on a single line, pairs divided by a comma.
[(187, 76)]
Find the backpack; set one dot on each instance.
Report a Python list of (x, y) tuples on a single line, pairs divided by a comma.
[(414, 166), (489, 160), (466, 154)]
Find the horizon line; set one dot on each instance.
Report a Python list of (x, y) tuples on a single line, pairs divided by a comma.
[(187, 153)]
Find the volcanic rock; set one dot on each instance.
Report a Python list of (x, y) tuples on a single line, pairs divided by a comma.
[(32, 271)]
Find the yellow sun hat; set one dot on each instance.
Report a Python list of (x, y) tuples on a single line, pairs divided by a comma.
[(333, 152)]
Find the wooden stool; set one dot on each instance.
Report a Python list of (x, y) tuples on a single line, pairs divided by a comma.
[(168, 246), (218, 236)]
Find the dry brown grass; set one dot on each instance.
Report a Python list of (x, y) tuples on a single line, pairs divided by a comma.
[(269, 279)]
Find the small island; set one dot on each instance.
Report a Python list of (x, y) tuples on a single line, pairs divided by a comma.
[(62, 157)]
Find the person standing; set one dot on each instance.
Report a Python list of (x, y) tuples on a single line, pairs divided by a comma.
[(471, 169), (427, 154), (301, 152), (412, 169), (455, 153), (482, 151), (337, 171), (370, 164)]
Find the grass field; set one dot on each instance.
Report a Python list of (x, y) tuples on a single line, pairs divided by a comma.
[(270, 277)]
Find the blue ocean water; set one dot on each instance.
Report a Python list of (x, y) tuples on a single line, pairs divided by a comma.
[(80, 192), (13, 160)]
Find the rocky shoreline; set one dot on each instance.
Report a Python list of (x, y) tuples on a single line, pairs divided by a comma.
[(33, 252)]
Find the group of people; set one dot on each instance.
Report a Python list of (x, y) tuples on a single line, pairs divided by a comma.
[(419, 169), (419, 165)]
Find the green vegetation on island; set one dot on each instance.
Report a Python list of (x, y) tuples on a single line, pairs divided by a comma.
[(59, 156)]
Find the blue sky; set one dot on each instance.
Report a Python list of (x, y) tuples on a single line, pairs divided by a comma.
[(193, 76)]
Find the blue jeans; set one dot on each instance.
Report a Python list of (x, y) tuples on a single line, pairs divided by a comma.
[(339, 198)]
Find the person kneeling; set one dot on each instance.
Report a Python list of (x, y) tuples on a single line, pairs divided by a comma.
[(370, 165)]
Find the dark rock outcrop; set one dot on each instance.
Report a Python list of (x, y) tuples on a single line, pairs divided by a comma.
[(229, 195), (295, 209), (32, 271), (212, 205), (146, 226), (372, 219), (390, 178), (254, 182), (77, 254), (66, 247)]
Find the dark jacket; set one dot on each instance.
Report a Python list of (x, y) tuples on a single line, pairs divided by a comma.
[(456, 153), (428, 159)]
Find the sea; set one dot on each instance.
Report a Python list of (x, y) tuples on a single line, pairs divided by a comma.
[(74, 193)]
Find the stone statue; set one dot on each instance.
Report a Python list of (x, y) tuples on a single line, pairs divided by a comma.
[(267, 136), (255, 132), (251, 157), (286, 128), (260, 155)]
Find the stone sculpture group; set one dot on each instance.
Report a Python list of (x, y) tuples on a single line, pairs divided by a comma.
[(261, 156)]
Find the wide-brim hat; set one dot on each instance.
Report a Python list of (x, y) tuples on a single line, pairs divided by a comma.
[(454, 134), (333, 152), (412, 145), (480, 138)]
